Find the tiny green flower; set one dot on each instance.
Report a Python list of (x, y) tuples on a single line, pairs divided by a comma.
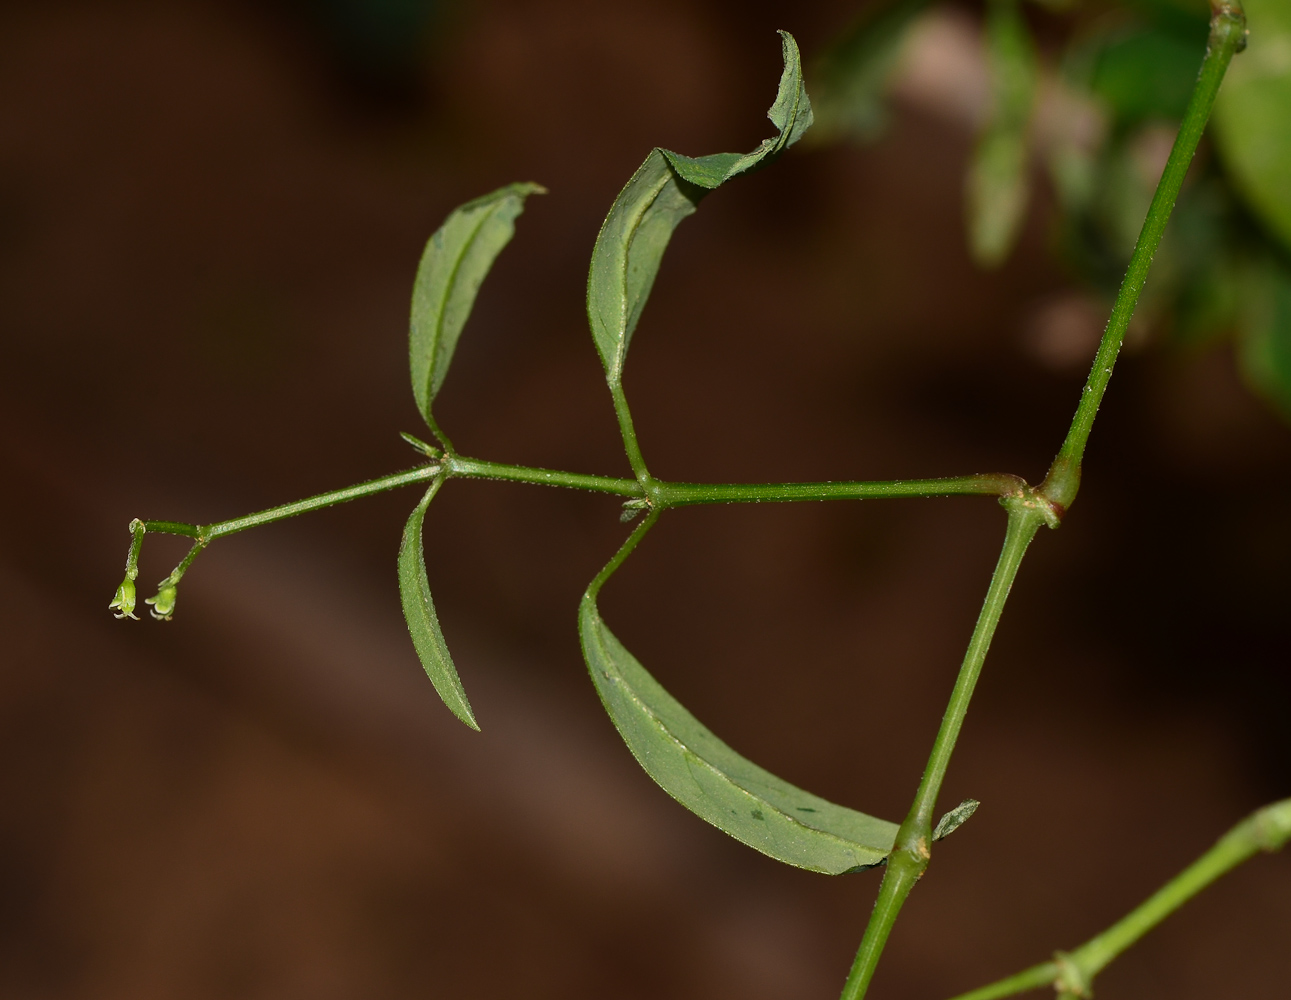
[(124, 600), (163, 604)]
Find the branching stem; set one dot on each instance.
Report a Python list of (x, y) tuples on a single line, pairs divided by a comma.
[(911, 853)]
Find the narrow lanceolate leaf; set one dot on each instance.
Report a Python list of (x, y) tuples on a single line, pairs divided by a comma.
[(716, 783), (423, 623), (456, 260), (998, 183), (667, 188)]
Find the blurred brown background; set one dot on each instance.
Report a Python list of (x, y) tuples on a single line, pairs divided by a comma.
[(210, 216)]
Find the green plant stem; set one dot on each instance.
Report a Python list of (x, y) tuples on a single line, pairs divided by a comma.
[(1073, 973), (1227, 35), (684, 494), (910, 853), (665, 494), (662, 495), (209, 532), (474, 468), (1028, 510)]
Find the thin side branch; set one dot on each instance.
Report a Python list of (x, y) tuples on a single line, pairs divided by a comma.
[(1265, 830)]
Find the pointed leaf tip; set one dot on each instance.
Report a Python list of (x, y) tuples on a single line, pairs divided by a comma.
[(456, 261), (423, 623)]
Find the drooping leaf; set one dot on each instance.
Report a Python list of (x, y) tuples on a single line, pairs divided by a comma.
[(423, 623), (998, 183), (1251, 116), (456, 260), (852, 76), (716, 783), (666, 189)]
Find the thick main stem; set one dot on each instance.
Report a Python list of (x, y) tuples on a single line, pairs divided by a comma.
[(911, 852)]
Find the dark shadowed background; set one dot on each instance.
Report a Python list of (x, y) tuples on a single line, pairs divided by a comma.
[(210, 217)]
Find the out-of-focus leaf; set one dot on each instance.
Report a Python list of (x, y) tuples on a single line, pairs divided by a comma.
[(716, 783), (1148, 74), (456, 260), (666, 189), (852, 76), (1252, 116), (423, 623), (1266, 334), (998, 183)]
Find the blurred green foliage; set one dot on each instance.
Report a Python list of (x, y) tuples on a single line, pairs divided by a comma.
[(1092, 112)]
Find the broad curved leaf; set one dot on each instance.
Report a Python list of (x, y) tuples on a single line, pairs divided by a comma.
[(423, 623), (716, 783), (1252, 112), (457, 258), (667, 188)]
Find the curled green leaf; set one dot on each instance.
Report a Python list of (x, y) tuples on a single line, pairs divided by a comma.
[(456, 261), (423, 623), (712, 780), (998, 183), (667, 188)]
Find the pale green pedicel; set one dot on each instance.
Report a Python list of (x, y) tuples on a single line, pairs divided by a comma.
[(423, 623)]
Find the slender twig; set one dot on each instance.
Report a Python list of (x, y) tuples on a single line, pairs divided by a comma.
[(1073, 973), (1227, 36)]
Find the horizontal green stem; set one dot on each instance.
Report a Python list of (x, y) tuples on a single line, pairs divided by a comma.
[(1267, 829), (474, 468), (665, 494)]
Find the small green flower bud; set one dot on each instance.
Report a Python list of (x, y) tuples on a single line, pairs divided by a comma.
[(163, 605), (124, 600)]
